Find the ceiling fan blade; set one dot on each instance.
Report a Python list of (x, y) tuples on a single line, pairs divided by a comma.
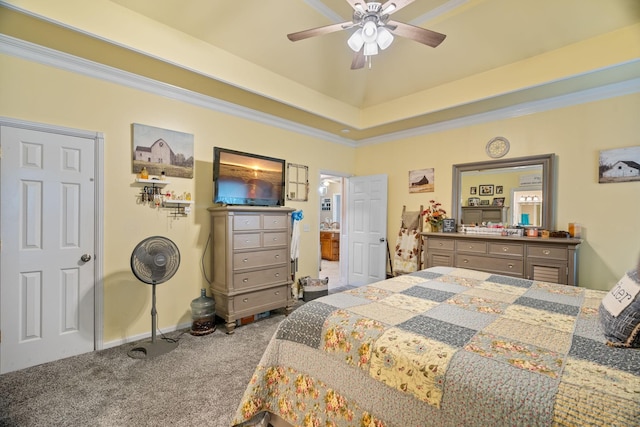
[(399, 4), (358, 60), (421, 35), (301, 35)]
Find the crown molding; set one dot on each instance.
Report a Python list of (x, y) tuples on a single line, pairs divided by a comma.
[(50, 57)]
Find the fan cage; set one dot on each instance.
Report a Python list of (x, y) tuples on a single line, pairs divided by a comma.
[(155, 260)]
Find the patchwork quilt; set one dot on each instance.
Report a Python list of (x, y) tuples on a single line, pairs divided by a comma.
[(447, 347)]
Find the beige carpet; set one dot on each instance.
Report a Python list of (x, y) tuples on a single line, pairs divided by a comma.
[(200, 383)]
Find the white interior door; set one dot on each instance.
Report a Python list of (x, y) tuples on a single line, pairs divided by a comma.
[(47, 227), (367, 229)]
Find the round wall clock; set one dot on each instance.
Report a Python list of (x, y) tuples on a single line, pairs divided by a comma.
[(497, 147)]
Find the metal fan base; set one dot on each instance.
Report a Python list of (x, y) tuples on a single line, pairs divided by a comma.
[(153, 349)]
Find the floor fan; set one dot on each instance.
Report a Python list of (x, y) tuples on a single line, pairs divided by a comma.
[(154, 261)]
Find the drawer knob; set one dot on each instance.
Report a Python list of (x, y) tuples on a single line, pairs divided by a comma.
[(245, 299), (466, 261), (246, 241), (505, 249), (277, 256), (275, 239), (546, 251), (511, 266), (245, 260), (277, 274), (277, 292), (440, 244), (470, 246), (245, 280)]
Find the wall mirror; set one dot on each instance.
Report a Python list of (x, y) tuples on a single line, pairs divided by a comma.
[(524, 187)]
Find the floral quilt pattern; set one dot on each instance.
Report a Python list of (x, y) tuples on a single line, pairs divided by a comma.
[(447, 347)]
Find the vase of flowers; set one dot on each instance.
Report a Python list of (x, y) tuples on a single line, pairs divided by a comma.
[(434, 215)]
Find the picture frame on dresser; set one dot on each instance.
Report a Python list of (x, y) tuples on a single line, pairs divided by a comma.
[(473, 201)]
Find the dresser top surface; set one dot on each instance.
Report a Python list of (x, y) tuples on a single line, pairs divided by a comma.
[(491, 237)]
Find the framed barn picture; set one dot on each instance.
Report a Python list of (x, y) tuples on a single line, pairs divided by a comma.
[(619, 165), (162, 150)]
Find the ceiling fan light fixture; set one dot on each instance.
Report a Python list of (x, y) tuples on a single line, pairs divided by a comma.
[(369, 32), (356, 41), (385, 38), (389, 9), (370, 49)]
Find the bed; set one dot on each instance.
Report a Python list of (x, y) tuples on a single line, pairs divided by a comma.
[(446, 347)]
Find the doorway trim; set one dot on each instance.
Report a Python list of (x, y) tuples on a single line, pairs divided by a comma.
[(98, 188), (344, 248)]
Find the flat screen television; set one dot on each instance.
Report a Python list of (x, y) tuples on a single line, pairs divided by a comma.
[(247, 179)]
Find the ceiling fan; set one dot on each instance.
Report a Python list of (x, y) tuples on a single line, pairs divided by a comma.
[(375, 29)]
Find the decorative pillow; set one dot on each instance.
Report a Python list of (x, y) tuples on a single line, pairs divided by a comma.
[(620, 312)]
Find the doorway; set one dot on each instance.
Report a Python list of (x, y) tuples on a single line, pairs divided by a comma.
[(332, 217)]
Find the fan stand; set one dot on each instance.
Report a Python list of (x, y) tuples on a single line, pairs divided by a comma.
[(153, 348)]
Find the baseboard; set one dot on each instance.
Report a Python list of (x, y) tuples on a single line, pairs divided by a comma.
[(144, 336)]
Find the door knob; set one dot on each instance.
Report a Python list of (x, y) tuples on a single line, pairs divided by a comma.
[(85, 258), (382, 240)]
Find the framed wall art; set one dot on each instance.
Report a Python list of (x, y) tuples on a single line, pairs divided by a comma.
[(297, 182), (162, 150), (473, 190), (619, 165), (484, 202), (422, 181), (486, 190)]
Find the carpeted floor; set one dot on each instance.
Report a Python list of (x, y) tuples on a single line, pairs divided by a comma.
[(201, 382)]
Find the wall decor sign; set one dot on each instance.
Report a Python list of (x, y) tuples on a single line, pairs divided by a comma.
[(484, 202), (162, 150), (422, 181), (619, 165), (449, 225), (298, 182)]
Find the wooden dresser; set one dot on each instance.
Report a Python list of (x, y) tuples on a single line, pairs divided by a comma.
[(549, 260), (250, 261), (330, 245)]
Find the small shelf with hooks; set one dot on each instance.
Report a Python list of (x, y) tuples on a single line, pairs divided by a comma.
[(154, 194), (178, 207)]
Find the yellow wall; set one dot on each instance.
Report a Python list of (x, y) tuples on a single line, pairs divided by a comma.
[(608, 212), (44, 94)]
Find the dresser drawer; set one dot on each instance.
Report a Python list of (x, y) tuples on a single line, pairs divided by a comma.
[(246, 222), (548, 252), (471, 246), (514, 249), (259, 259), (267, 297), (274, 222), (511, 267), (246, 241), (270, 276), (275, 238), (444, 244)]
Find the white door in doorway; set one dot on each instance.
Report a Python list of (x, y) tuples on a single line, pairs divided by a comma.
[(47, 227), (367, 229)]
